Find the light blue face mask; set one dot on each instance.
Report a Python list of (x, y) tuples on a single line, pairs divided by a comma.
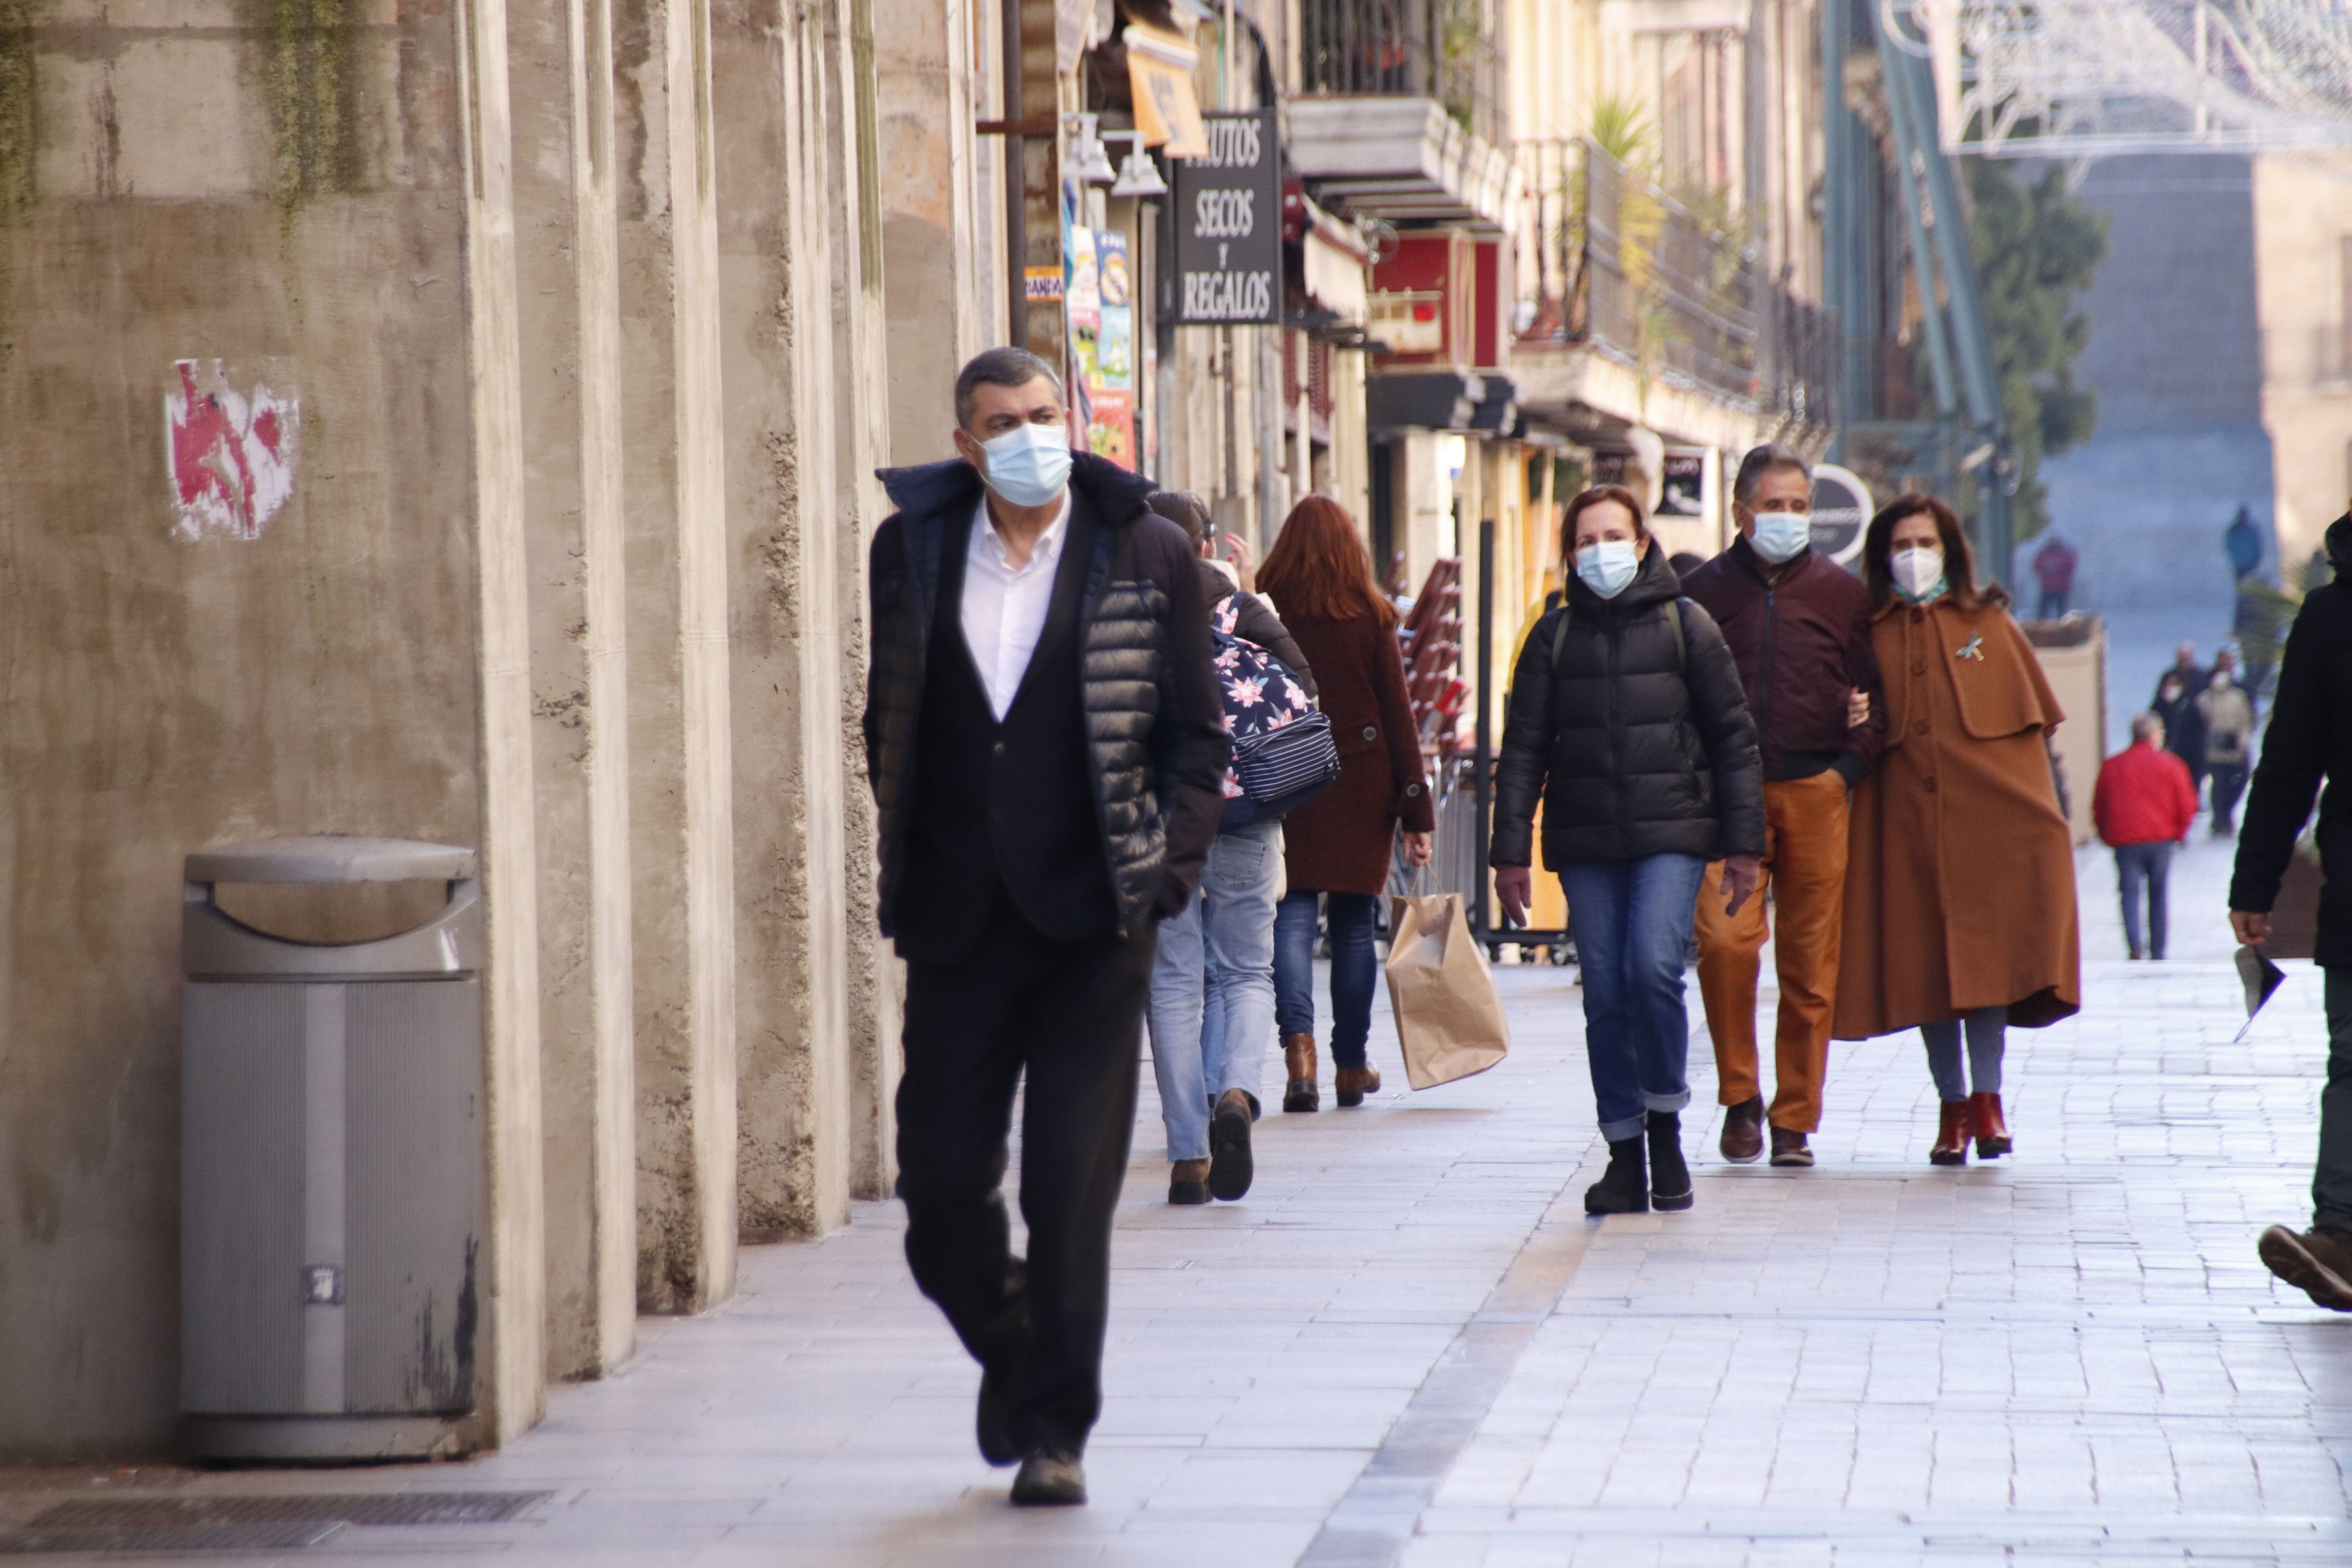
[(1607, 566), (1781, 536), (1028, 465)]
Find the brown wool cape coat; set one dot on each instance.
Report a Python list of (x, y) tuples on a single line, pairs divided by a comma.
[(1959, 891), (1340, 842)]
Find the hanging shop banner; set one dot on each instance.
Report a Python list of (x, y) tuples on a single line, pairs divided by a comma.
[(1111, 432), (1160, 74), (1081, 314), (1228, 214)]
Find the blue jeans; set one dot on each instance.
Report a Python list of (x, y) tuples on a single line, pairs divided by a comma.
[(2149, 865), (1354, 971), (1213, 988), (1632, 921), (1987, 1029)]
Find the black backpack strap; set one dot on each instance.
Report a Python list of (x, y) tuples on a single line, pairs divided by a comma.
[(1560, 636), (1675, 613)]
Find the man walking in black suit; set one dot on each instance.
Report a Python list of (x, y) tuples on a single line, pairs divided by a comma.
[(1045, 739)]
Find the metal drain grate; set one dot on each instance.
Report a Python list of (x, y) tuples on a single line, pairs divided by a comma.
[(246, 1523), (275, 1536)]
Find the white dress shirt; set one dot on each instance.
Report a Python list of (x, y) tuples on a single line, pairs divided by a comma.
[(1004, 606)]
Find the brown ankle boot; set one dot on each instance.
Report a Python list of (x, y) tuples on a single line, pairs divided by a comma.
[(1299, 1061), (1350, 1085), (1992, 1129), (1952, 1135)]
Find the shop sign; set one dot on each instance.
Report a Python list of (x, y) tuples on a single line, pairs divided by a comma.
[(1840, 511), (1228, 218)]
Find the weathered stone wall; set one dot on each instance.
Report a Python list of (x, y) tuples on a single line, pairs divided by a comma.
[(289, 204), (530, 374)]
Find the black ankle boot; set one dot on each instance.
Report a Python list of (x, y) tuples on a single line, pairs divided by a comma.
[(1623, 1187), (1670, 1183)]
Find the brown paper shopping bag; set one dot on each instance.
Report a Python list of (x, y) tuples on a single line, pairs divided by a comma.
[(1449, 1019)]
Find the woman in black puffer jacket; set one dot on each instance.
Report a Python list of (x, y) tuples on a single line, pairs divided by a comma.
[(1627, 721)]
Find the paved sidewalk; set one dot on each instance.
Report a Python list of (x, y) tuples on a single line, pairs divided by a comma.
[(1408, 1344)]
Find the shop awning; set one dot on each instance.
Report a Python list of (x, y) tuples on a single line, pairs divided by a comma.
[(1335, 261)]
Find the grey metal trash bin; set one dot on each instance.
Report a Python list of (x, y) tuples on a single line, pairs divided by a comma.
[(331, 1165)]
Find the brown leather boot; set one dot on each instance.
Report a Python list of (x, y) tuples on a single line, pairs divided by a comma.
[(1350, 1085), (1992, 1132), (1952, 1134), (1743, 1131), (1298, 1061)]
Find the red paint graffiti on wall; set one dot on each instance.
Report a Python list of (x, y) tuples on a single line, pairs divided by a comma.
[(232, 453)]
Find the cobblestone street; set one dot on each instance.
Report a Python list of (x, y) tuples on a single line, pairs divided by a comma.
[(1409, 1345)]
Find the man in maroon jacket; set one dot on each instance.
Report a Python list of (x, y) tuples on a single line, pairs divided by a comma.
[(1799, 625)]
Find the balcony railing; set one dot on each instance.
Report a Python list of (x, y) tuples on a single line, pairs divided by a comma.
[(1438, 49), (1612, 261)]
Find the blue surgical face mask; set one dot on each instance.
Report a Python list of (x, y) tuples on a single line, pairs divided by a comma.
[(1028, 465), (1606, 567), (1781, 536)]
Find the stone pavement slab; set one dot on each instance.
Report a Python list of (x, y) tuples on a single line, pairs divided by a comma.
[(1409, 1345)]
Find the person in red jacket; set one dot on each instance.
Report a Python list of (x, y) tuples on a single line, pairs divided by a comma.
[(2143, 806)]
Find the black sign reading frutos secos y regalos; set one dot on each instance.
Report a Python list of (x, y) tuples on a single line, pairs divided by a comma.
[(1228, 216)]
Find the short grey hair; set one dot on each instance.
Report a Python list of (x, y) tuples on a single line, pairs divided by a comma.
[(999, 367), (1761, 461), (2146, 726)]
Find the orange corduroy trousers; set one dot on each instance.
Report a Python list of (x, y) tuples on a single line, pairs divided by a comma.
[(1804, 868)]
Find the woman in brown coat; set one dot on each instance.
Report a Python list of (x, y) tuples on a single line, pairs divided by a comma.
[(1338, 844), (1959, 892)]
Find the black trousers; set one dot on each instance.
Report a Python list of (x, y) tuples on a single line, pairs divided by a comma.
[(1071, 1013)]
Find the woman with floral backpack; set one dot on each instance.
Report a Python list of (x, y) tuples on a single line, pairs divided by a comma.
[(1212, 1013)]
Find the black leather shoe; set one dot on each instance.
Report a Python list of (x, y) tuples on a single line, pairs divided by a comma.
[(1230, 1167), (1625, 1187), (1669, 1181), (1789, 1148), (1050, 1478), (999, 1445)]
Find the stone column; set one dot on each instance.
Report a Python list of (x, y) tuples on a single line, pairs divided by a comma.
[(780, 260), (681, 770), (572, 374)]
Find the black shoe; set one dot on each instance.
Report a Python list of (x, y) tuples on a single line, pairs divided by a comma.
[(1050, 1477), (1625, 1187), (1788, 1148), (1188, 1182), (999, 1443), (1670, 1181), (1230, 1167)]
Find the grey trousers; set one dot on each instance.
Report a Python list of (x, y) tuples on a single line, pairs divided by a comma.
[(1988, 1032)]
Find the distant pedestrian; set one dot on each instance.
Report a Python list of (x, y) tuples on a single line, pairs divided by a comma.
[(1211, 1015), (2243, 542), (1959, 897), (1341, 845), (2175, 702), (1798, 626), (2309, 739), (1045, 738), (1628, 725), (2228, 716), (2143, 804), (2054, 568)]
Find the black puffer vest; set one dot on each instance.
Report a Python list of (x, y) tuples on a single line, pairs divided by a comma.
[(1154, 721), (1638, 742)]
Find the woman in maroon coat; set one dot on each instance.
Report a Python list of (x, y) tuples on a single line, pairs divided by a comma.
[(1338, 844)]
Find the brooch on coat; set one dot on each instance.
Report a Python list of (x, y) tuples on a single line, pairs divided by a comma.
[(1972, 648)]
